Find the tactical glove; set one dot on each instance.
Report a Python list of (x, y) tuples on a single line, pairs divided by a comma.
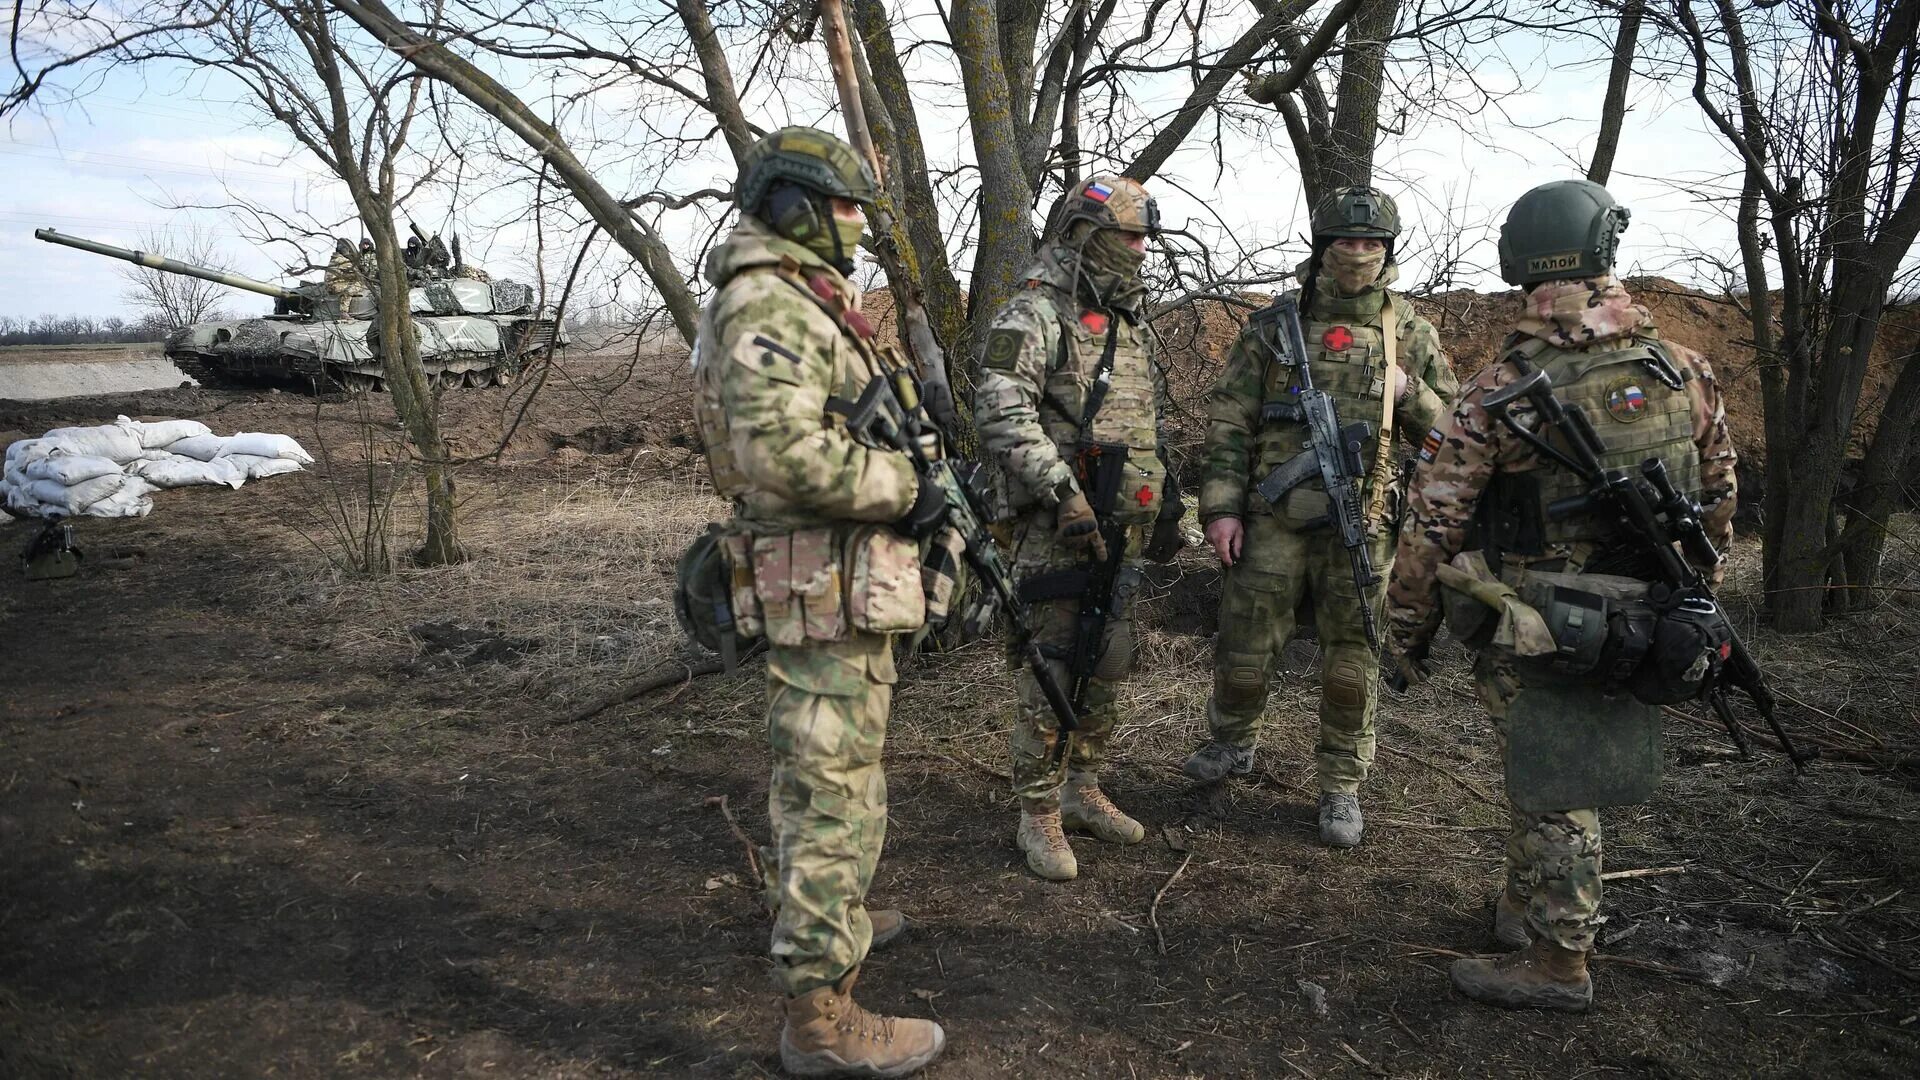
[(928, 511), (1076, 527)]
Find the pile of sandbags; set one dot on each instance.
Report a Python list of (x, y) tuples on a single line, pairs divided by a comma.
[(112, 470)]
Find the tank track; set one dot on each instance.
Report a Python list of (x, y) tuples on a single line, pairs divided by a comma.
[(207, 374)]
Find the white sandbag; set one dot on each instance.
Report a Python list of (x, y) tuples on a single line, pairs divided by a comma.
[(172, 471), (264, 444), (133, 499), (70, 469), (199, 447), (158, 433), (257, 466), (27, 450), (108, 441), (77, 498)]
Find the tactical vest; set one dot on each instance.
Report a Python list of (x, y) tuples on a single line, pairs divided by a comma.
[(1127, 416), (1346, 346), (854, 368), (1636, 415)]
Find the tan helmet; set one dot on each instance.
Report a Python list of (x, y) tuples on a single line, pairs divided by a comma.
[(1108, 202)]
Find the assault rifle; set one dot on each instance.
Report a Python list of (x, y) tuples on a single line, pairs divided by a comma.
[(1656, 516), (889, 414), (1100, 468), (1332, 453)]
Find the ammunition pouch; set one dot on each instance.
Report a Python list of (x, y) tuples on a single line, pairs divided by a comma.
[(941, 573), (1690, 639)]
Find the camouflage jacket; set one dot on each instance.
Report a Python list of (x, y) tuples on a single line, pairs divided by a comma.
[(1345, 339), (1462, 454), (767, 358), (1041, 356)]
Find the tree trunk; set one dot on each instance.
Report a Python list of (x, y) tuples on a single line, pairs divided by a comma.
[(718, 75), (1613, 109), (413, 399), (1348, 157), (1881, 486), (1006, 230)]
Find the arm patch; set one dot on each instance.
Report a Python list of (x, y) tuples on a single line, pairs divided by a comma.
[(1003, 349)]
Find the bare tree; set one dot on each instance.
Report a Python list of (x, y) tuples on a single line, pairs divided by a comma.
[(351, 106), (1816, 96), (176, 300), (1613, 109)]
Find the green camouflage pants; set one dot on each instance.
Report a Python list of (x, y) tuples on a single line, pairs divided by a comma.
[(1276, 569), (1553, 860), (1035, 728), (826, 721)]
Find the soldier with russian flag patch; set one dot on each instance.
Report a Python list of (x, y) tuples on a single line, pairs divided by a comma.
[(1509, 544), (1383, 365)]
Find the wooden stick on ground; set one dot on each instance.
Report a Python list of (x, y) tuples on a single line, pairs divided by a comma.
[(676, 671), (740, 834), (1153, 912)]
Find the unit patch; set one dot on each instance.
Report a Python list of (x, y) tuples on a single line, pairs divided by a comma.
[(1626, 400), (1431, 445), (1003, 349), (1549, 264), (1338, 339), (1094, 321)]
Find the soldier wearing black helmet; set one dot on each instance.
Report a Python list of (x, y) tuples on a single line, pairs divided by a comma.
[(1383, 365), (1501, 538), (823, 559)]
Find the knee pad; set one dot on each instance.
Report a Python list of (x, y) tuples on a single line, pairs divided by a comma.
[(1345, 683), (1239, 687)]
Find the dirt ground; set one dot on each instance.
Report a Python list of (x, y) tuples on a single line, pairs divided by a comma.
[(263, 816)]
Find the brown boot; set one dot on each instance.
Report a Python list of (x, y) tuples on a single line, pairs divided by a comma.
[(829, 1034), (887, 923), (1541, 976), (1509, 922), (1085, 807), (1046, 847)]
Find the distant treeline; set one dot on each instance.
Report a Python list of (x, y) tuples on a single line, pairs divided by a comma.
[(79, 330)]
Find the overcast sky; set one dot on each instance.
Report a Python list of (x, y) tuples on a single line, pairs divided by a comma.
[(113, 166)]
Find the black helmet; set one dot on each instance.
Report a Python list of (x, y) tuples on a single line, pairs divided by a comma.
[(1566, 229)]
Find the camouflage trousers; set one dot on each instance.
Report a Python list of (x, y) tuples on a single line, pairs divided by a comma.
[(1553, 860), (1276, 569), (826, 722), (1055, 622)]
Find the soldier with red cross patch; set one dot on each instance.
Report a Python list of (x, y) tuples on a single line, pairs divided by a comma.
[(1068, 372), (1383, 365)]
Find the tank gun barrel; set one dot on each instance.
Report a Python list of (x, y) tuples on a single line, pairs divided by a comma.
[(166, 265)]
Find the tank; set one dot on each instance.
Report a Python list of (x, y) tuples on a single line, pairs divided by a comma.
[(473, 330)]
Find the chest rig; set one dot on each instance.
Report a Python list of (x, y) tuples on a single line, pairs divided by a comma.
[(1100, 389), (853, 368), (1636, 398), (1347, 349)]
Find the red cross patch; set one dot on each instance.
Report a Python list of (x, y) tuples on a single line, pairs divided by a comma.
[(1095, 322), (1338, 339), (1144, 496)]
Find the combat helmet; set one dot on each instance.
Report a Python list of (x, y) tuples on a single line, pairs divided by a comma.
[(1565, 229), (1357, 212), (786, 178), (1107, 202)]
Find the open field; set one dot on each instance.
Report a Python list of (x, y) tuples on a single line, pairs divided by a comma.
[(265, 817)]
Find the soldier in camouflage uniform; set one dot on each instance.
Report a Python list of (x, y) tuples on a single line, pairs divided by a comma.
[(1481, 489), (1368, 349), (823, 539), (1079, 322)]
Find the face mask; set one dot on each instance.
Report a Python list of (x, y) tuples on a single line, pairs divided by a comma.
[(1110, 263), (1353, 271)]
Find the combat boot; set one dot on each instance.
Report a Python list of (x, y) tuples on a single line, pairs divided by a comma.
[(1541, 976), (1217, 761), (829, 1034), (1510, 921), (887, 924), (1340, 820), (1040, 836), (1085, 807)]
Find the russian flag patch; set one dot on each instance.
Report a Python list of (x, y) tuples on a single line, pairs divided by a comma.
[(1431, 445), (1099, 192)]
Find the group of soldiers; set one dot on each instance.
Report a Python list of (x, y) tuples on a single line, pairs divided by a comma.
[(831, 532), (351, 270)]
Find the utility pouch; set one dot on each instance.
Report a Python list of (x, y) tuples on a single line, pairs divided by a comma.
[(713, 596), (1689, 640), (798, 580), (1484, 612), (884, 588), (1598, 623), (1576, 747)]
